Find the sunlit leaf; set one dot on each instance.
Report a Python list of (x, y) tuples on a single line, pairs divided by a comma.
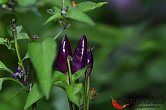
[(79, 16), (19, 28), (21, 36), (42, 55), (101, 4), (34, 95), (87, 6)]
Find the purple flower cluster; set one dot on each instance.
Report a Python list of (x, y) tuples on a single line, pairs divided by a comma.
[(20, 75), (81, 57)]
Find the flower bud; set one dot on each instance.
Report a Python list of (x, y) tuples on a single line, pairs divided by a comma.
[(89, 57), (79, 57), (19, 73), (64, 51)]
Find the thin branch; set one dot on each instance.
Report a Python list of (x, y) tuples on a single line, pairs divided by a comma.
[(14, 32), (63, 4), (59, 33)]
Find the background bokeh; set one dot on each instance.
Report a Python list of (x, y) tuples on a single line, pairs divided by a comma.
[(129, 55)]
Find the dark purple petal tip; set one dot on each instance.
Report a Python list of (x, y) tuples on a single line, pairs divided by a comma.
[(64, 51), (79, 57)]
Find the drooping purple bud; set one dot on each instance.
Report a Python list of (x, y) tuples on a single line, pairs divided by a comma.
[(79, 57), (64, 51), (89, 57)]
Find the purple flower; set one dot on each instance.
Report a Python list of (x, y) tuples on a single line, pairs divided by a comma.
[(15, 74), (19, 73)]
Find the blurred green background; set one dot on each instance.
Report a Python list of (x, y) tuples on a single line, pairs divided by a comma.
[(129, 55)]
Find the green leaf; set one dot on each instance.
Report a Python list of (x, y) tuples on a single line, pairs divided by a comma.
[(34, 95), (10, 79), (2, 40), (87, 6), (7, 43), (101, 4), (78, 15), (61, 84), (59, 76), (17, 92), (19, 28), (56, 16), (42, 55), (3, 1), (21, 36), (3, 67), (78, 74), (26, 2), (26, 56), (60, 79), (74, 93), (1, 81)]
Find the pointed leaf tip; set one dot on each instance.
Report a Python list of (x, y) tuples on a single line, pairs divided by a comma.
[(42, 55)]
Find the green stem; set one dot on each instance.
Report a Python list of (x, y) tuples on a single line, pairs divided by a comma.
[(69, 71), (14, 32), (58, 34), (63, 4), (70, 81), (87, 88), (86, 95)]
